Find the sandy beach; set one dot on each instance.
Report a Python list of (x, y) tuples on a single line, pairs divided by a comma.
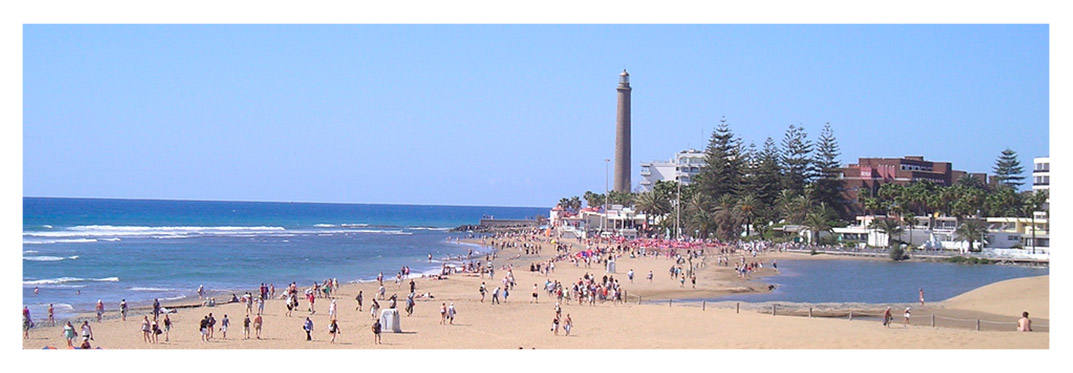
[(519, 323)]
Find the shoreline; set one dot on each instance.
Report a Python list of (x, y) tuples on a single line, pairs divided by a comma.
[(519, 322)]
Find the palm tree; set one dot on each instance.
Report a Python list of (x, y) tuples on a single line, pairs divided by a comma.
[(971, 230), (890, 227), (746, 207), (727, 222), (698, 214), (817, 222), (784, 203), (652, 204), (909, 220)]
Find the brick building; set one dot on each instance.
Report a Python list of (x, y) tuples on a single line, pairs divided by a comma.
[(871, 173)]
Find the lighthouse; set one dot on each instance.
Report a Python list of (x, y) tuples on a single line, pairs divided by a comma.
[(622, 135)]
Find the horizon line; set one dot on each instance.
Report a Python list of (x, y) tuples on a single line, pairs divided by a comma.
[(299, 202)]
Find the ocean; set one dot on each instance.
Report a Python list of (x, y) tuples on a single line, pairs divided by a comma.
[(76, 251)]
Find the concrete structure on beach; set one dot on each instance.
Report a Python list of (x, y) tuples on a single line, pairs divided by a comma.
[(622, 135)]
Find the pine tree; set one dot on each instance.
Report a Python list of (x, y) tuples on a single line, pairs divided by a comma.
[(796, 159), (724, 165), (828, 187), (766, 183), (1008, 169)]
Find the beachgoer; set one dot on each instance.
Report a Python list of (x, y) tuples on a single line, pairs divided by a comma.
[(69, 334), (568, 324), (155, 336), (331, 310), (261, 305), (887, 317), (146, 329), (410, 304), (258, 322), (100, 309), (906, 316), (451, 313), (921, 297), (203, 326), (87, 331), (85, 344), (375, 309), (534, 294), (167, 328), (555, 325), (358, 298), (443, 313), (381, 292), (200, 292), (333, 329), (1024, 324), (308, 327), (35, 290), (482, 290), (123, 309), (26, 324), (413, 285), (156, 308), (246, 327), (630, 275), (212, 325), (51, 312), (376, 332), (649, 276), (224, 324), (495, 295)]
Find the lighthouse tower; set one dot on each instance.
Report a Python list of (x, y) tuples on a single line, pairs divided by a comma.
[(622, 135)]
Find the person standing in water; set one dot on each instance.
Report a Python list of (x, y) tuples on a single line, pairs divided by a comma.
[(921, 292)]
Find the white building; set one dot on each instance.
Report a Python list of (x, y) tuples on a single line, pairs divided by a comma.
[(686, 163)]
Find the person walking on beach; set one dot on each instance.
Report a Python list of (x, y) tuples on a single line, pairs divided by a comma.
[(68, 333), (887, 317), (649, 276), (535, 293), (693, 278), (100, 309), (224, 324), (555, 325), (443, 313), (155, 332), (203, 326), (907, 316), (358, 298), (630, 275), (921, 291), (258, 322), (308, 327), (331, 310), (146, 329), (156, 308), (212, 325), (375, 309), (451, 313), (167, 328), (123, 309), (51, 312), (482, 290), (312, 299), (413, 285), (1024, 324), (568, 324), (261, 305), (410, 305), (87, 331), (376, 332), (333, 329), (246, 327), (495, 295), (381, 292)]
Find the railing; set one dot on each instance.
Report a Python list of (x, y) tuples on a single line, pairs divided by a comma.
[(775, 309)]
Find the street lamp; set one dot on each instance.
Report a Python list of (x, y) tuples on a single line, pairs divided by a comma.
[(678, 208), (607, 195)]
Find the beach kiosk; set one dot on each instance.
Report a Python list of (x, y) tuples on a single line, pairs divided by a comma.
[(390, 321)]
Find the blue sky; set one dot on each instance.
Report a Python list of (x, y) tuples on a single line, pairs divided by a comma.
[(496, 114)]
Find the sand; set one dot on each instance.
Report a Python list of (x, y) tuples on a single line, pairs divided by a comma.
[(518, 323)]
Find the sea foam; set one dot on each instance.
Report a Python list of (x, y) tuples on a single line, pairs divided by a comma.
[(63, 280), (45, 258)]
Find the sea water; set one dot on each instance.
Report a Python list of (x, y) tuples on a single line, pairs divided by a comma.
[(868, 281), (76, 251)]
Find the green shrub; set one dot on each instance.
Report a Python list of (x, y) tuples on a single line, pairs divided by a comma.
[(896, 253)]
